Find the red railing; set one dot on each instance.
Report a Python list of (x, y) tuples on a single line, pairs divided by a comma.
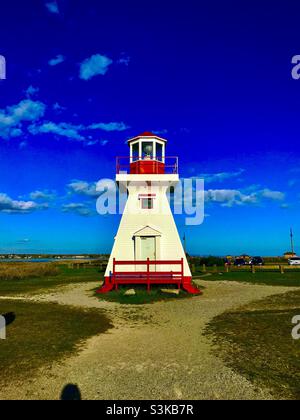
[(124, 164), (147, 277)]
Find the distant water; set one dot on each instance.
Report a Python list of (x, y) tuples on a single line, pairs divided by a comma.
[(35, 260)]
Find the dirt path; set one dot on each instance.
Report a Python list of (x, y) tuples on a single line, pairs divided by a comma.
[(154, 352)]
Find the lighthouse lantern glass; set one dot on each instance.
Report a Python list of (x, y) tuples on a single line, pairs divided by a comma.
[(147, 150), (135, 152), (159, 152)]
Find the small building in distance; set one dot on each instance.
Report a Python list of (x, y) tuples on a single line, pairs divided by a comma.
[(289, 254)]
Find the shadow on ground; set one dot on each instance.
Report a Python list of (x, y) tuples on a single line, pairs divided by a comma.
[(70, 392), (9, 317)]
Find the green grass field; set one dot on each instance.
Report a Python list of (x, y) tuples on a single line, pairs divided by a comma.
[(289, 279), (256, 341), (41, 333), (39, 277), (40, 282), (65, 276)]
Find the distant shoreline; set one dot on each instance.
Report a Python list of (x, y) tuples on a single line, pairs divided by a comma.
[(36, 260)]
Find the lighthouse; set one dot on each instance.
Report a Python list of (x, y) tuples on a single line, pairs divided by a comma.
[(147, 248)]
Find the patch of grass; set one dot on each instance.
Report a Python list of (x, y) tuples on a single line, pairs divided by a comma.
[(42, 333), (37, 284), (289, 279), (142, 296), (19, 271), (256, 341)]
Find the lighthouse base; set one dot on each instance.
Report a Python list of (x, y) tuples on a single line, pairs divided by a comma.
[(113, 283)]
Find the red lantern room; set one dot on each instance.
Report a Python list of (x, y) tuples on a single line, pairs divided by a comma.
[(147, 156)]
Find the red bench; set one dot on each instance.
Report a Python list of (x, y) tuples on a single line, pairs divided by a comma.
[(147, 277)]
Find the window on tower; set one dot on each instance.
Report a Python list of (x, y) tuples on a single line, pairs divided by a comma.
[(135, 152), (159, 152), (147, 150), (147, 203)]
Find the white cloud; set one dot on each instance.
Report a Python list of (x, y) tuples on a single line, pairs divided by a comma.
[(10, 206), (92, 142), (285, 206), (26, 110), (95, 65), (52, 7), (31, 91), (62, 129), (23, 241), (83, 188), (42, 195), (13, 117), (112, 126), (57, 60), (228, 197), (220, 176), (231, 197), (273, 195), (78, 208), (124, 59), (74, 132), (160, 132), (59, 108)]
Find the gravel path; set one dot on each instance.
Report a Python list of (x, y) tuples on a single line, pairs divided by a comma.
[(154, 352)]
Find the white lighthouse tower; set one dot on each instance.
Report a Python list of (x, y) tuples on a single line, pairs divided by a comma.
[(147, 248)]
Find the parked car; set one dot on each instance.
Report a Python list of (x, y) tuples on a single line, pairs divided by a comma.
[(256, 261), (239, 262), (294, 261)]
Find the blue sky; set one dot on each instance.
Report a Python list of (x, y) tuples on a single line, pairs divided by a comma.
[(213, 77)]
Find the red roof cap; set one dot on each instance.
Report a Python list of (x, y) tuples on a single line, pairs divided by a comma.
[(147, 134)]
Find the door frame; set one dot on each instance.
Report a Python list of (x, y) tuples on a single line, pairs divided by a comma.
[(146, 231), (153, 242)]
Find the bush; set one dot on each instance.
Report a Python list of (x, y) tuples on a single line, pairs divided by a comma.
[(275, 260), (209, 261)]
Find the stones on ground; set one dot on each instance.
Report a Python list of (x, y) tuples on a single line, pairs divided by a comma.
[(129, 292), (171, 291)]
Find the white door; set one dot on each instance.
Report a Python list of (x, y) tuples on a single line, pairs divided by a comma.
[(148, 248)]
